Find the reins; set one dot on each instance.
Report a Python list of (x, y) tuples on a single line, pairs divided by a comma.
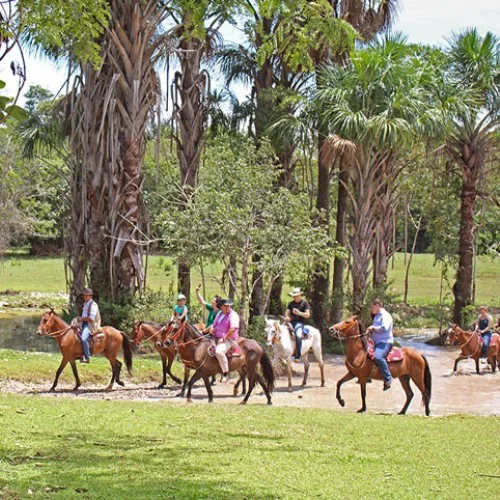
[(352, 337), (472, 335), (143, 337), (57, 333)]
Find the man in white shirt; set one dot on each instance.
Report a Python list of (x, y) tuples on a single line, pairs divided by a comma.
[(91, 322)]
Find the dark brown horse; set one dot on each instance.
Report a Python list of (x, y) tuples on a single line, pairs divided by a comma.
[(471, 346), (144, 330), (413, 366), (193, 348), (70, 346)]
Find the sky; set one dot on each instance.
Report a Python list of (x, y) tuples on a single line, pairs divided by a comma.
[(423, 21)]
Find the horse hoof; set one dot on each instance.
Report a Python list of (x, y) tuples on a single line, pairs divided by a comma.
[(361, 410), (341, 402), (189, 400), (177, 380), (210, 400), (323, 385), (120, 383), (74, 388), (269, 403), (162, 386), (180, 395), (243, 402), (52, 389), (109, 389), (402, 412)]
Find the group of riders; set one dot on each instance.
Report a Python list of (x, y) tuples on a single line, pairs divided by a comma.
[(223, 322)]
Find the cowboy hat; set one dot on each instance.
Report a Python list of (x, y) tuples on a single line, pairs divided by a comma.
[(88, 291), (181, 296), (296, 291), (226, 302)]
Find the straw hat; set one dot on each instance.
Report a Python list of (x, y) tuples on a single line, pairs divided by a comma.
[(296, 291), (181, 296)]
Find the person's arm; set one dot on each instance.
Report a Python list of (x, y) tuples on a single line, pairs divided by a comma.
[(184, 314), (233, 326), (306, 314), (91, 314), (200, 298)]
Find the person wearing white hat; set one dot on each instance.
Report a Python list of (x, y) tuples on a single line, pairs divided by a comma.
[(297, 313), (485, 326), (91, 322), (181, 309)]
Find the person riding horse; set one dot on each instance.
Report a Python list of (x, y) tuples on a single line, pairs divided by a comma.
[(181, 309), (225, 329), (90, 322), (297, 312), (381, 330), (484, 326)]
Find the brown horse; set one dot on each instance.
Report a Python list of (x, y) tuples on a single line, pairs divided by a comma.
[(193, 348), (471, 346), (144, 330), (70, 346), (413, 366)]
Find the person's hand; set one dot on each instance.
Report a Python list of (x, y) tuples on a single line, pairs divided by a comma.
[(220, 341), (370, 328), (296, 311), (198, 287)]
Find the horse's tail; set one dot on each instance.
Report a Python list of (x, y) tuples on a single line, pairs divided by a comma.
[(127, 352), (267, 370), (427, 379)]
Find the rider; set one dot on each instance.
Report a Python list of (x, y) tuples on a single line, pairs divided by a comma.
[(484, 326), (381, 329), (297, 311), (225, 328), (181, 309), (212, 308), (91, 322)]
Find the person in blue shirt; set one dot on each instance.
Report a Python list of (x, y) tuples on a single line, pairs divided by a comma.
[(381, 330), (181, 309)]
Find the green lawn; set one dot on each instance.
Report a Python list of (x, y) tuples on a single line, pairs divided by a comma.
[(25, 274), (62, 448)]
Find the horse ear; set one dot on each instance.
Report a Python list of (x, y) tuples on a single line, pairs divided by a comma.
[(51, 309), (355, 317)]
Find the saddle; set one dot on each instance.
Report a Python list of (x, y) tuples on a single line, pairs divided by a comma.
[(395, 354), (234, 352), (305, 334)]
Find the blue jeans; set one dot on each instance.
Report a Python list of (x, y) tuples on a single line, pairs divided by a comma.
[(85, 340), (381, 351), (298, 328), (486, 344)]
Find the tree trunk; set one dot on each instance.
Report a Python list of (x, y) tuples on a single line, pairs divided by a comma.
[(257, 289), (340, 237), (462, 289), (188, 110), (275, 304), (322, 270)]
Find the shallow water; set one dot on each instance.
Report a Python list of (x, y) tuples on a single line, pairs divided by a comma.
[(18, 331)]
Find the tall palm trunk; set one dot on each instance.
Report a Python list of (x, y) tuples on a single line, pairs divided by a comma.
[(108, 144), (189, 104)]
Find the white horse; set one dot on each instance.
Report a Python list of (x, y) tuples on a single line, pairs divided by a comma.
[(279, 338)]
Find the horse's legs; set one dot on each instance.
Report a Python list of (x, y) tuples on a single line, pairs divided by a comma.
[(348, 376), (194, 378), (460, 358), (362, 386), (322, 372), (251, 371), (113, 374), (75, 373), (289, 372), (164, 370), (177, 380), (405, 382), (306, 368), (242, 380), (477, 365), (185, 383), (208, 386), (262, 382), (64, 362), (118, 372)]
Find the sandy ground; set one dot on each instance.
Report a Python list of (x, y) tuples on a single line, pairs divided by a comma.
[(463, 392)]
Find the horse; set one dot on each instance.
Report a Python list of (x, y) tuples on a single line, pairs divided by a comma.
[(413, 365), (70, 345), (471, 345), (145, 330), (193, 348), (279, 338)]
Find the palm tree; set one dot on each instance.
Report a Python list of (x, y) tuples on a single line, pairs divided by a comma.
[(375, 106), (473, 66)]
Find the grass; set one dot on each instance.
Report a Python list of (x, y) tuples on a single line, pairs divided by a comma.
[(27, 274), (37, 367), (104, 449)]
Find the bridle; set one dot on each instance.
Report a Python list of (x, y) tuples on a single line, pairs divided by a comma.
[(472, 336), (141, 336), (58, 333), (346, 337)]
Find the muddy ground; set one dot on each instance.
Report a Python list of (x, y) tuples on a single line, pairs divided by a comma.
[(463, 392)]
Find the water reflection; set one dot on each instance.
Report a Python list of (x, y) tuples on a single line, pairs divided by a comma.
[(19, 332)]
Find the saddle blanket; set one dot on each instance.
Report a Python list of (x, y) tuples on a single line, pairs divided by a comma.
[(495, 340), (395, 354)]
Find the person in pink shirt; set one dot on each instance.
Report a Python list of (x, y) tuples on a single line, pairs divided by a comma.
[(225, 329)]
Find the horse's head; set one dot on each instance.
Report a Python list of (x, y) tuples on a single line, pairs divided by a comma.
[(47, 323), (347, 328), (172, 333), (273, 332), (452, 334), (137, 333)]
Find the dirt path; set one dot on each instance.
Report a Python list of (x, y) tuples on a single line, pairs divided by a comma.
[(463, 392)]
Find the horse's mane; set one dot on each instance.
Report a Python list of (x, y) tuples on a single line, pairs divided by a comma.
[(193, 330), (362, 333), (152, 323)]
